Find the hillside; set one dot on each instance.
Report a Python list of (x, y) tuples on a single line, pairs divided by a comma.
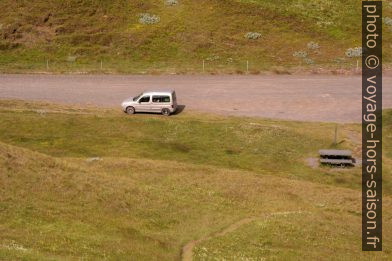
[(115, 209), (65, 196), (168, 36)]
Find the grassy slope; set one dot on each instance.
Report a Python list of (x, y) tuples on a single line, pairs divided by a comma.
[(275, 147), (188, 33), (140, 201), (121, 208)]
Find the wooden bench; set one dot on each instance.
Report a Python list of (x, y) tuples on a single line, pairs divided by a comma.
[(336, 157)]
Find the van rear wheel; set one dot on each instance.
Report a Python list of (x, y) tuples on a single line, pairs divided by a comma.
[(130, 110), (165, 112)]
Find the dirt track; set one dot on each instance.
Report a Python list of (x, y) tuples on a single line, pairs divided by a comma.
[(308, 98)]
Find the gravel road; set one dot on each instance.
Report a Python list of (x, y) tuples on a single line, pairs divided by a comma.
[(305, 98)]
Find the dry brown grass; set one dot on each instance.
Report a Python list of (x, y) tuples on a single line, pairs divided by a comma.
[(147, 209)]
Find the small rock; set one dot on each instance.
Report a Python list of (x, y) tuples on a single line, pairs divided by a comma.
[(354, 52), (313, 46), (300, 54), (308, 60), (146, 18), (171, 2), (41, 112), (252, 35), (213, 58), (387, 21), (93, 159)]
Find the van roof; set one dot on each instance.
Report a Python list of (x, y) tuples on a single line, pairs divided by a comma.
[(159, 92)]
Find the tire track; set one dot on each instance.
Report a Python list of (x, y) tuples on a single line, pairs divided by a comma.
[(187, 250)]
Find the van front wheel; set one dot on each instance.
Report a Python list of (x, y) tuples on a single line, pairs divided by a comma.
[(165, 112), (130, 110)]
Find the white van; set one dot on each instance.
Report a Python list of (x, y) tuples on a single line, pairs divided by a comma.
[(164, 102)]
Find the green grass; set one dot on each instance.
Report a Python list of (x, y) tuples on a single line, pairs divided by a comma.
[(164, 181), (34, 32), (261, 146), (317, 233)]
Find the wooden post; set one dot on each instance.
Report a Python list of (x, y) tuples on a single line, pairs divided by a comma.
[(247, 66), (203, 65), (101, 65)]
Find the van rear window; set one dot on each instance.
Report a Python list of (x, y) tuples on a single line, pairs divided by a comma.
[(160, 98)]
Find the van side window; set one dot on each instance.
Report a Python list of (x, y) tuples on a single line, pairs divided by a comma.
[(159, 99), (145, 99)]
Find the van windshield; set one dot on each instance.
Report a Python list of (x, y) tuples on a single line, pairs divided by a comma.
[(137, 97)]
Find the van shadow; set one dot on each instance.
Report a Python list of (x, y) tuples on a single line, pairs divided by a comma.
[(180, 108)]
